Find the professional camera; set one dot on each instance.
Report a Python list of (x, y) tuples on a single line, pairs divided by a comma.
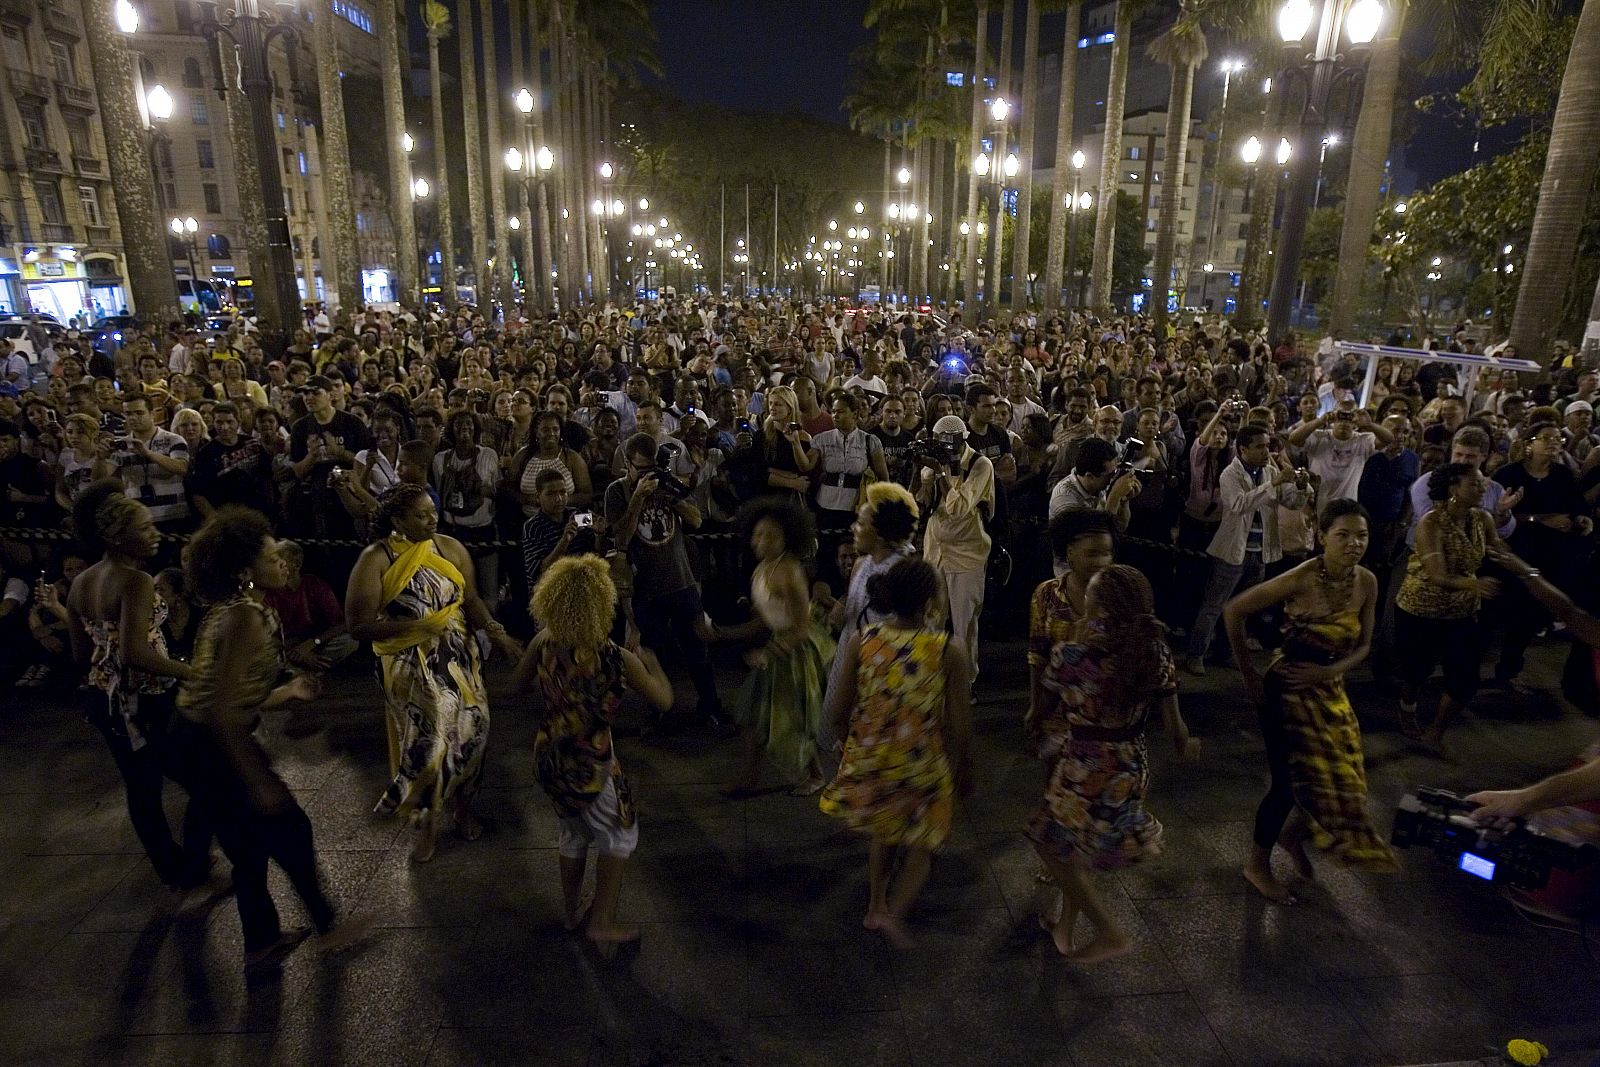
[(665, 479), (1521, 857), (932, 452)]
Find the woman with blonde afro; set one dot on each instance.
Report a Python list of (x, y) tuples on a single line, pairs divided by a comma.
[(582, 674)]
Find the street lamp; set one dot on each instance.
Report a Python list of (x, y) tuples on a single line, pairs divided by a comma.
[(1323, 69), (127, 16), (183, 230), (420, 189), (530, 164), (1080, 202), (903, 176)]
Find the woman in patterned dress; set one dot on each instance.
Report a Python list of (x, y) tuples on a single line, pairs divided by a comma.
[(905, 699), (413, 596), (582, 674), (1103, 683), (1312, 737)]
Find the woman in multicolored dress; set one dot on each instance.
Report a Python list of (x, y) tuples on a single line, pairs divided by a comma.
[(582, 674), (904, 698), (1100, 686), (780, 704), (413, 596), (1312, 737)]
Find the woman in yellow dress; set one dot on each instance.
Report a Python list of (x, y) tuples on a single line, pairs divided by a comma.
[(412, 595), (907, 752)]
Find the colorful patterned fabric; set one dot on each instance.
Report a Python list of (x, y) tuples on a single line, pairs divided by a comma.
[(894, 781), (122, 684), (1093, 805), (1463, 551), (436, 705), (572, 752), (1326, 769), (262, 671)]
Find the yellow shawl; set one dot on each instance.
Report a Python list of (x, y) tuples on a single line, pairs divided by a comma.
[(410, 557)]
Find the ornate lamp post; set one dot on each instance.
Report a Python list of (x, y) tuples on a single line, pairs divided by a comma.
[(1322, 70), (183, 231), (532, 163)]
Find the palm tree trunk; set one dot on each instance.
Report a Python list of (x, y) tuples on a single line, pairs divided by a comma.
[(340, 241), (402, 215), (472, 142), (252, 211), (969, 261), (600, 257), (1060, 210), (1264, 182), (1030, 100), (1179, 104), (447, 229), (1369, 151), (567, 275), (1105, 219), (151, 290), (997, 273), (500, 273), (543, 287), (1569, 170), (937, 277)]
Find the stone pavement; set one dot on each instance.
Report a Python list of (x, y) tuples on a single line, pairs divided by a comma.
[(753, 951)]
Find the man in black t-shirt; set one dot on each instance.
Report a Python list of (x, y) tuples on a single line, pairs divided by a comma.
[(229, 469), (896, 440), (326, 438), (986, 438)]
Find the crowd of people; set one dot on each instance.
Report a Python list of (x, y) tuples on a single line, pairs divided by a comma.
[(182, 514)]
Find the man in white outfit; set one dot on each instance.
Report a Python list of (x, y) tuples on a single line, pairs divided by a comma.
[(958, 498)]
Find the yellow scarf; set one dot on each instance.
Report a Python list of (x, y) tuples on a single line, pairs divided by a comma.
[(410, 557)]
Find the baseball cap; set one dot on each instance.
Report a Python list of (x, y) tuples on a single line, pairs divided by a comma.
[(319, 381), (1578, 405)]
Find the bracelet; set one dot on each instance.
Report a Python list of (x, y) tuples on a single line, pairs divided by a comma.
[(1531, 572), (496, 627)]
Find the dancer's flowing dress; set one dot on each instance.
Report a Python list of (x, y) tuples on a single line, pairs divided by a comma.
[(437, 710), (1322, 740), (857, 614), (782, 701), (895, 781)]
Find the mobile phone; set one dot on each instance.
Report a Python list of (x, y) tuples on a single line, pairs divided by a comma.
[(583, 519)]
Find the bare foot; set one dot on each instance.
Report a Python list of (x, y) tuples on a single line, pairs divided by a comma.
[(1268, 886), (873, 919), (1060, 933), (808, 788), (426, 838), (891, 928), (1103, 946), (468, 827), (613, 935)]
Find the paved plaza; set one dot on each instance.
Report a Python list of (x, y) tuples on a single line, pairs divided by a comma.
[(753, 950)]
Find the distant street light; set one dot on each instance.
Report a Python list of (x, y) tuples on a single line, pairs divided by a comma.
[(158, 102), (420, 188), (127, 16), (903, 176)]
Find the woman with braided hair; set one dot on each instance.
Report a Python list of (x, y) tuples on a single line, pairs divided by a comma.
[(115, 617), (1105, 680), (413, 595)]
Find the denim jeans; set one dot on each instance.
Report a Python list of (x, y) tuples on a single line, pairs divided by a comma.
[(1226, 578)]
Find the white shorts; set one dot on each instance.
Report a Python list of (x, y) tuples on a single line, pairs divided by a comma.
[(600, 825)]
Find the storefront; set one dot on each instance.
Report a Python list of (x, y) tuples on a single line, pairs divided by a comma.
[(108, 293), (54, 282), (10, 285)]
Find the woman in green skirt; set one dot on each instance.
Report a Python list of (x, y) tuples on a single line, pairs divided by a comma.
[(780, 705)]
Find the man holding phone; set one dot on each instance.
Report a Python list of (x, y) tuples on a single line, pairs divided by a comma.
[(555, 530)]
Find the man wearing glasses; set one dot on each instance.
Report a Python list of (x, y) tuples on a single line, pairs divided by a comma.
[(1337, 446)]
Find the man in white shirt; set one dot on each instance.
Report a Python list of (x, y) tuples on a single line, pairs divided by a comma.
[(957, 497), (152, 463), (1022, 405), (180, 360), (1337, 445), (869, 379)]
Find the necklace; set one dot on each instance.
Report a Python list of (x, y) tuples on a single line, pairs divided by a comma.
[(1339, 587)]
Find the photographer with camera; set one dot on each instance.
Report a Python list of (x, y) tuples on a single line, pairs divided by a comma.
[(1338, 444), (646, 510), (152, 463), (1100, 481), (955, 487)]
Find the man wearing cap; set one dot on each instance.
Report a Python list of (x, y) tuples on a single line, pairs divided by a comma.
[(1579, 417), (959, 497), (324, 439)]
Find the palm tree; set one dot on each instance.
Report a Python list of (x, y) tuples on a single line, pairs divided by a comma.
[(969, 267), (1002, 88), (436, 20), (144, 240), (391, 42), (1105, 222), (1181, 48), (499, 286), (1569, 171), (339, 244), (1060, 210), (472, 141), (252, 211), (543, 287), (1030, 100)]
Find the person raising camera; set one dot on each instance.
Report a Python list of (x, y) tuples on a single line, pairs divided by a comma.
[(1337, 446), (956, 490)]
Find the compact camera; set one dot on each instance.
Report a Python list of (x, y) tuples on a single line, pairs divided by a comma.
[(1521, 857)]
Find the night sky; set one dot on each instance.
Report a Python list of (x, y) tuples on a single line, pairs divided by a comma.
[(761, 55)]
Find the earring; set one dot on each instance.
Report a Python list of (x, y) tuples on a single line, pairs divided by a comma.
[(247, 585)]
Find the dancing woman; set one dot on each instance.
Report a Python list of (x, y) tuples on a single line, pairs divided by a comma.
[(114, 618), (1312, 737), (1103, 682), (231, 562), (412, 594), (582, 674), (904, 699), (780, 705), (885, 522)]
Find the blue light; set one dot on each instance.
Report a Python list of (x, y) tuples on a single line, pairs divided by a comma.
[(1478, 866), (955, 78), (1104, 38)]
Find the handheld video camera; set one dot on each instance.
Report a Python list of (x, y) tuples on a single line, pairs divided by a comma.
[(663, 475), (1521, 857), (932, 452)]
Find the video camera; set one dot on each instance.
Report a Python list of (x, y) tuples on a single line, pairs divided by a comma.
[(665, 479), (1521, 857), (932, 452)]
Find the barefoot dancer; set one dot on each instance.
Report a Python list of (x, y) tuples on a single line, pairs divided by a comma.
[(780, 705), (1103, 684), (412, 595), (908, 687), (1312, 737), (582, 674)]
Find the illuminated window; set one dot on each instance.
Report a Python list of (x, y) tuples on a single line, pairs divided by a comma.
[(955, 78)]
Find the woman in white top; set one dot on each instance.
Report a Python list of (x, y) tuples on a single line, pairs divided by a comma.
[(378, 467), (546, 452)]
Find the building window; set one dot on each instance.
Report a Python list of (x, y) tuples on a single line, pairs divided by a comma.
[(89, 197), (78, 136), (280, 120), (213, 195), (302, 163), (169, 189), (203, 151), (955, 78), (355, 16), (61, 60), (219, 247), (1133, 151), (16, 46), (191, 74), (33, 126), (49, 198), (199, 113)]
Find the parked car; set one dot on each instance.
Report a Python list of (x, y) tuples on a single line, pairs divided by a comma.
[(107, 333)]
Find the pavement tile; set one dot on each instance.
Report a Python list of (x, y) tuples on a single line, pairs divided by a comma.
[(1294, 1025), (1153, 1030), (801, 962), (1422, 1018), (860, 1039), (512, 1046)]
